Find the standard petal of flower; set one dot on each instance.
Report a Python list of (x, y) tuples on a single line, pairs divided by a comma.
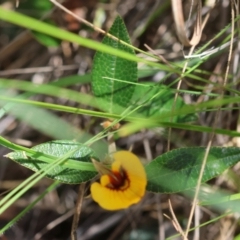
[(131, 164)]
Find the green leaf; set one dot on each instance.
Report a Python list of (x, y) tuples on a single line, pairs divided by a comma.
[(36, 9), (45, 39), (178, 170), (112, 89), (58, 148), (158, 100)]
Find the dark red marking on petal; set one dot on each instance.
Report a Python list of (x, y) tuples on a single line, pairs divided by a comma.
[(118, 180)]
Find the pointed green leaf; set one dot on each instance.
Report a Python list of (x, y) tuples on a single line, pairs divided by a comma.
[(105, 65), (178, 170), (157, 101), (58, 148)]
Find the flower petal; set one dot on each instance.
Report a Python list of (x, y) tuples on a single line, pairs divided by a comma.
[(134, 169), (115, 199), (111, 199), (129, 162)]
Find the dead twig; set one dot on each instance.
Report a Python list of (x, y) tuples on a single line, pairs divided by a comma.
[(178, 17), (77, 211)]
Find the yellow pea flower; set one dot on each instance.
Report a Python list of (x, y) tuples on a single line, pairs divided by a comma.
[(123, 185)]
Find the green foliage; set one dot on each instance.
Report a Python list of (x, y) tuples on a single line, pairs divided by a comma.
[(179, 170), (46, 40), (36, 9), (114, 82), (158, 100), (58, 148), (39, 9), (112, 89)]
